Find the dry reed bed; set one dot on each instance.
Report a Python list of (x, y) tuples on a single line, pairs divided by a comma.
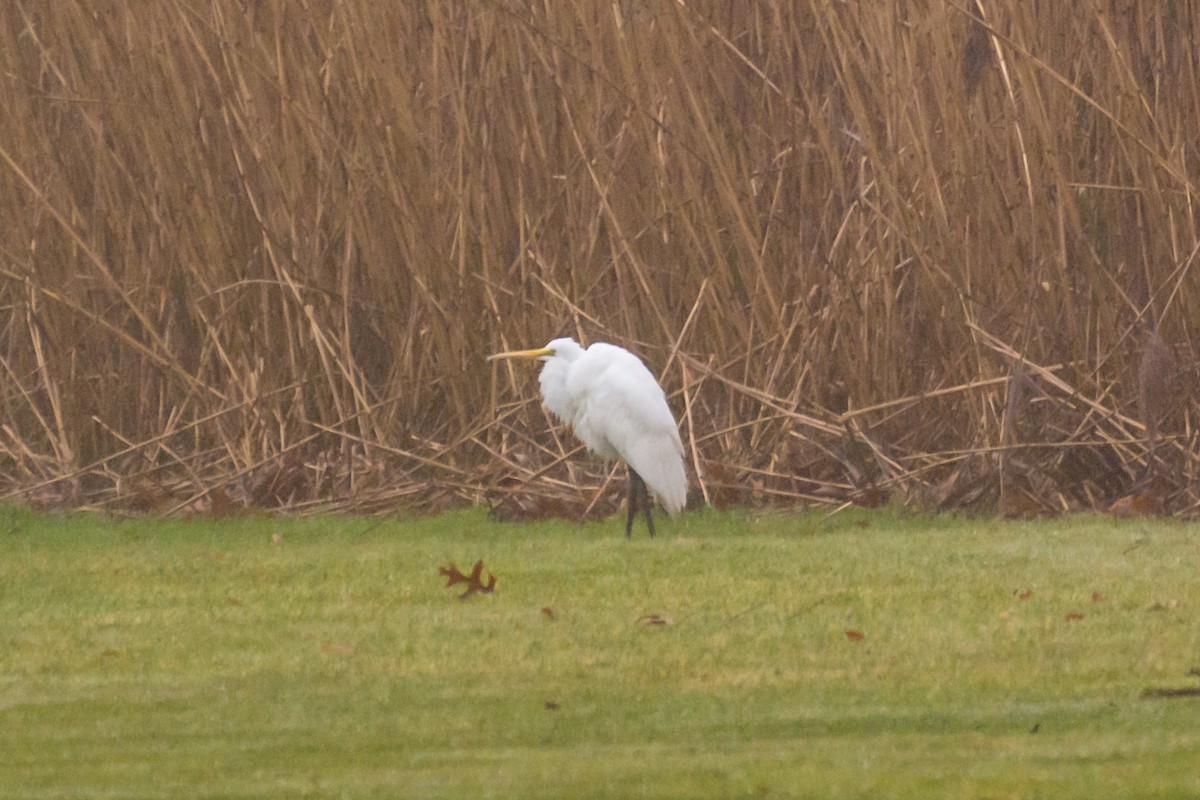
[(253, 253)]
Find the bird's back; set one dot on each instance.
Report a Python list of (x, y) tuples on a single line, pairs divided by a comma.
[(620, 411)]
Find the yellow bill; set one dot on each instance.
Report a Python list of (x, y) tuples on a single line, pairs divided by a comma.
[(536, 353)]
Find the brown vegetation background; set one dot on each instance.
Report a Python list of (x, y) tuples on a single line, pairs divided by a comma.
[(254, 252)]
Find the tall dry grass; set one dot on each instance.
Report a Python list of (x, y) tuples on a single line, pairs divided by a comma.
[(254, 253)]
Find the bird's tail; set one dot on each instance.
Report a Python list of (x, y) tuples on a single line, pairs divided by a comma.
[(662, 470)]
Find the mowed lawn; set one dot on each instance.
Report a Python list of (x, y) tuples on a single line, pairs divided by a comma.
[(792, 655)]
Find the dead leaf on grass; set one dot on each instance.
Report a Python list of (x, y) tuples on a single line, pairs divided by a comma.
[(474, 581)]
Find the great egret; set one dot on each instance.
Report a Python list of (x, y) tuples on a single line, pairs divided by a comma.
[(616, 407)]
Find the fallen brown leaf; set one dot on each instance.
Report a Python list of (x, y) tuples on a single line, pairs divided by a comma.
[(474, 581)]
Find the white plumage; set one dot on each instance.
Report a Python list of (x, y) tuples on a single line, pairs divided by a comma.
[(615, 406)]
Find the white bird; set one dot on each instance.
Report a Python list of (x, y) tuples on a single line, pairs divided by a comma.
[(616, 407)]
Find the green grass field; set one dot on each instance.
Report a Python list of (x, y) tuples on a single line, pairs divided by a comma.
[(861, 655)]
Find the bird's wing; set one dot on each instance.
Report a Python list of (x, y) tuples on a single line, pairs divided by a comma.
[(626, 408)]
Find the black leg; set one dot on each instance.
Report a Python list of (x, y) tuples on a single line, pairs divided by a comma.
[(639, 495), (631, 499), (647, 506)]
